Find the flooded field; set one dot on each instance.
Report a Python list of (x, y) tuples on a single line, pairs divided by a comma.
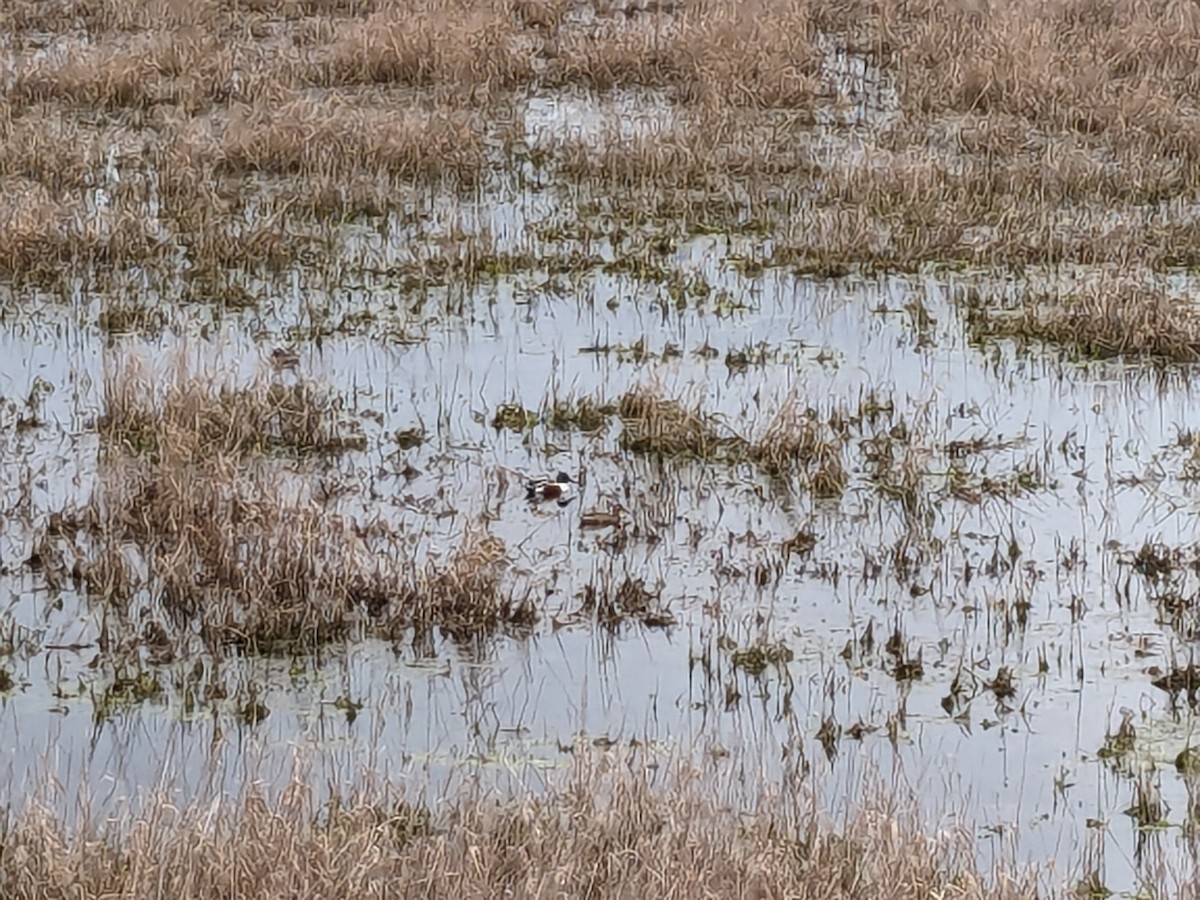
[(878, 400)]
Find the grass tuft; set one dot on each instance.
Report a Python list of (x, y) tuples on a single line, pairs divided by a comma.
[(664, 427), (212, 508), (1105, 319), (191, 419)]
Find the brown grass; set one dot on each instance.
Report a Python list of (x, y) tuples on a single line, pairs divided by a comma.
[(102, 16), (478, 51), (455, 47), (1105, 318), (462, 594), (191, 418), (57, 151), (821, 460), (707, 146), (759, 54), (138, 73), (224, 544), (1110, 68), (337, 141), (219, 534), (609, 829), (664, 427), (207, 505), (796, 444), (1026, 134), (40, 235)]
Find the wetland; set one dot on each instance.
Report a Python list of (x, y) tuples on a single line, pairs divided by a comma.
[(867, 329)]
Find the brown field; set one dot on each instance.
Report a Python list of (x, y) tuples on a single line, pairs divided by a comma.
[(1022, 134), (612, 829)]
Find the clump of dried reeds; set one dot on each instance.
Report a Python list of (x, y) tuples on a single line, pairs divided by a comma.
[(614, 604), (98, 17), (255, 566), (221, 532), (1076, 66), (1105, 318), (206, 504), (464, 593), (760, 54), (584, 414), (125, 73), (56, 152), (797, 442), (592, 833), (707, 147), (188, 418), (343, 141), (457, 48), (41, 236), (664, 427)]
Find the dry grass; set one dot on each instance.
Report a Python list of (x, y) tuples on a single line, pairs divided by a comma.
[(461, 50), (760, 54), (481, 51), (40, 235), (225, 536), (1102, 319), (796, 441), (208, 508), (1025, 134), (910, 198), (462, 594), (336, 142), (706, 147), (584, 414), (58, 152), (1115, 68), (190, 418), (227, 546), (664, 427), (149, 69), (608, 829), (103, 16), (794, 445)]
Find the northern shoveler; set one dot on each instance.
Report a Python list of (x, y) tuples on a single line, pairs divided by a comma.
[(559, 488)]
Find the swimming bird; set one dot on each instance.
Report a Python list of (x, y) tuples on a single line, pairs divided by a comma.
[(598, 518), (284, 358), (543, 488)]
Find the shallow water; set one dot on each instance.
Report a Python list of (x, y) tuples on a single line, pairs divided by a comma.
[(511, 703), (1027, 773)]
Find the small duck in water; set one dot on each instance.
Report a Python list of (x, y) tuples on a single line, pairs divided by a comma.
[(284, 358), (560, 489)]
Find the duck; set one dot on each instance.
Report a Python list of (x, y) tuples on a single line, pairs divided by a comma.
[(559, 488), (284, 358), (614, 517)]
